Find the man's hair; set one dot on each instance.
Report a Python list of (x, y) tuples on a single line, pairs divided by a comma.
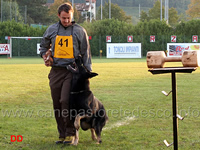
[(65, 7)]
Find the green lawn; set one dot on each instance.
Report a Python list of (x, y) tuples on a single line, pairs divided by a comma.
[(140, 116)]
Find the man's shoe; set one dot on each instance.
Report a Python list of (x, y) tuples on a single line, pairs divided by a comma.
[(69, 140), (60, 141)]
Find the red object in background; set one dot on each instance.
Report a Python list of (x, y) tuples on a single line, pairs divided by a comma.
[(152, 38), (173, 38), (108, 38), (130, 38), (195, 38)]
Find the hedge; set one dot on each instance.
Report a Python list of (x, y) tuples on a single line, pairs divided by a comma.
[(98, 30)]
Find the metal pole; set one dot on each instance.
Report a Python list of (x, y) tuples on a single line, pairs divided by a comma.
[(90, 11), (25, 14), (15, 11), (160, 10), (86, 16), (1, 10), (73, 7), (109, 9), (10, 11), (72, 3), (167, 11), (101, 9), (10, 47), (139, 11), (174, 108)]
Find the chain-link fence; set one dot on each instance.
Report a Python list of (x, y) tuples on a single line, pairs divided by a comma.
[(28, 47), (160, 44)]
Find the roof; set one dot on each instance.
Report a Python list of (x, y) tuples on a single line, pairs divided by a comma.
[(93, 1), (48, 4), (50, 1), (82, 7)]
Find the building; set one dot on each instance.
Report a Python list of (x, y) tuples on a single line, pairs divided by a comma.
[(93, 7), (88, 7), (49, 3), (84, 8)]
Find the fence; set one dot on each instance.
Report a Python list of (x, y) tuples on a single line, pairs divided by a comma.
[(26, 47), (98, 43)]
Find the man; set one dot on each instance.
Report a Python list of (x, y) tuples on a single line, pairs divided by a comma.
[(67, 41)]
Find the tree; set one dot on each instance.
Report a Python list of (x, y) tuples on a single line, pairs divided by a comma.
[(100, 28), (188, 28), (173, 16), (144, 16), (154, 13), (108, 27), (10, 11), (116, 13), (193, 9), (37, 12)]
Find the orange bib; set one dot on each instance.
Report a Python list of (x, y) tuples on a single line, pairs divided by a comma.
[(64, 47)]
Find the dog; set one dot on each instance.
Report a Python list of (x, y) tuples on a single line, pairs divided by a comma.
[(86, 110)]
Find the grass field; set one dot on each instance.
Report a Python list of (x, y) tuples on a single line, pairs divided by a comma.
[(140, 116)]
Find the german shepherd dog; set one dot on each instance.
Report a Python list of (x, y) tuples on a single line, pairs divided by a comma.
[(85, 109)]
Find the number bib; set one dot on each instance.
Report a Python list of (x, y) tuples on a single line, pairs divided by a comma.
[(64, 47)]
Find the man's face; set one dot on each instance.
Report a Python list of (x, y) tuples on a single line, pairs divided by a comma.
[(66, 18)]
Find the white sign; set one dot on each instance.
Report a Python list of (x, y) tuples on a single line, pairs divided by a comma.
[(38, 48), (108, 38), (195, 38), (123, 50), (176, 49), (173, 38), (130, 38), (4, 49), (152, 38)]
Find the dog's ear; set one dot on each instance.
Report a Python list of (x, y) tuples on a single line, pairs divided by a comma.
[(92, 74)]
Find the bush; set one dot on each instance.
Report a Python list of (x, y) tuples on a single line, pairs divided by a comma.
[(119, 31), (21, 47)]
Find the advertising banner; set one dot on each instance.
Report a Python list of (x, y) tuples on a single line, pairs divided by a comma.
[(173, 38), (38, 48), (195, 38), (108, 38), (176, 49), (152, 38), (130, 38), (4, 49), (124, 50)]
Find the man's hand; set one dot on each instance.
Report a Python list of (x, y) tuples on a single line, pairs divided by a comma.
[(48, 60)]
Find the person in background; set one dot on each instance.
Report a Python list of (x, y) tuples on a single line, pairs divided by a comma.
[(67, 40)]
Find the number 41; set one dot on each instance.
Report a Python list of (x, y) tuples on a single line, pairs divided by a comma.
[(61, 42)]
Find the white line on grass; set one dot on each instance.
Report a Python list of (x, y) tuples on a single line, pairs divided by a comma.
[(120, 123)]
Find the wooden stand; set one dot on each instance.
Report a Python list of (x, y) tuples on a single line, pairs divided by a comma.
[(173, 72)]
